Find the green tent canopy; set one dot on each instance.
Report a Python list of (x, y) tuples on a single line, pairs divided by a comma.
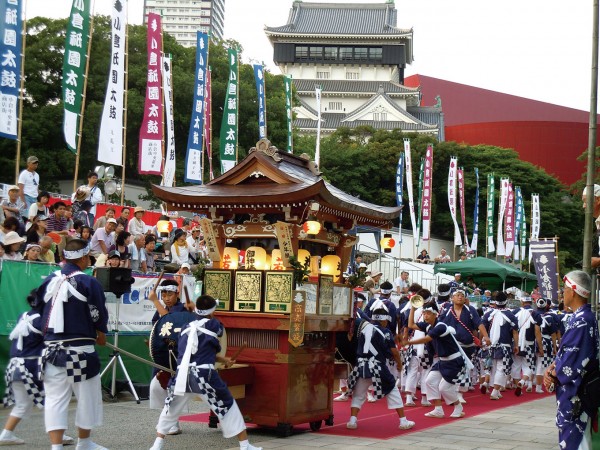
[(489, 274)]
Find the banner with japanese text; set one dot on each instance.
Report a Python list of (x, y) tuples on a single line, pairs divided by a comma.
[(208, 123), (420, 202), (259, 78), (460, 173), (74, 67), (523, 232), (399, 184), (287, 82), (318, 91), (476, 214), (110, 139), (167, 81), (229, 124), (509, 225), (427, 186), (545, 261), (518, 221), (500, 249), (193, 157), (11, 61), (535, 216), (409, 188), (452, 198), (150, 158), (491, 191)]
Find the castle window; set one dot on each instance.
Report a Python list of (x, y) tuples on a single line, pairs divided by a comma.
[(335, 106), (316, 53), (352, 75), (330, 53), (360, 53), (322, 75), (301, 52), (346, 53), (376, 53)]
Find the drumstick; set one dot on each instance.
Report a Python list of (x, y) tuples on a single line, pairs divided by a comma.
[(187, 295), (162, 272), (238, 351)]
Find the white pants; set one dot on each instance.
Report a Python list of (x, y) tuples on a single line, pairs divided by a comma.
[(23, 403), (231, 425), (520, 366), (424, 391), (359, 395), (438, 388), (497, 376), (157, 395), (59, 390), (412, 375)]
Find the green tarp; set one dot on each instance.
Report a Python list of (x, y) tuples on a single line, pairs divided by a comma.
[(489, 274)]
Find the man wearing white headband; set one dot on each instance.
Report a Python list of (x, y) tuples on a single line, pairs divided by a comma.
[(375, 345), (451, 370), (198, 348), (75, 319), (169, 294), (577, 355)]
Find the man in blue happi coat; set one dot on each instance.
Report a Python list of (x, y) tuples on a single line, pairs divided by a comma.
[(577, 355)]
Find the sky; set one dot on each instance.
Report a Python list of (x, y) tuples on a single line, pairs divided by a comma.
[(538, 49)]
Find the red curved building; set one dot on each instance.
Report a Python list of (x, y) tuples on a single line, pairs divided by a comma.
[(547, 135)]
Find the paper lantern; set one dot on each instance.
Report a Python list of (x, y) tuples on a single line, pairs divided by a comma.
[(303, 255), (276, 260), (230, 258), (311, 227), (256, 258), (268, 263), (164, 226), (387, 243), (330, 265)]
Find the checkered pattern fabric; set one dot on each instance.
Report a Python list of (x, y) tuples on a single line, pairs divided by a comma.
[(16, 371), (507, 359), (426, 360), (76, 363), (530, 358), (548, 356), (375, 369), (462, 378)]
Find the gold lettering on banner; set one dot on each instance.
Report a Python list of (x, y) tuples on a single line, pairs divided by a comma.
[(284, 238), (296, 335), (210, 239)]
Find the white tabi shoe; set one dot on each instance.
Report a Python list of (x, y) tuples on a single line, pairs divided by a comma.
[(456, 415), (435, 414), (352, 425), (371, 398), (174, 430), (11, 440), (68, 440), (406, 425), (343, 397), (90, 446)]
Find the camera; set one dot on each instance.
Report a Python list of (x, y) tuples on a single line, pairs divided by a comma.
[(117, 280)]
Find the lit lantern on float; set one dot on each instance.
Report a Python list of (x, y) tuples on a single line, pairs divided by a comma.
[(276, 260), (164, 227), (387, 243), (330, 265), (303, 255), (268, 263), (230, 258), (311, 227), (256, 258)]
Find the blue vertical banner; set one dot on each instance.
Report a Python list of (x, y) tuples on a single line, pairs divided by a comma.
[(11, 59), (519, 210), (193, 157), (399, 183), (476, 214), (259, 77)]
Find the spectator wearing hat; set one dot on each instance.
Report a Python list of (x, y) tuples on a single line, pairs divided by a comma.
[(137, 225), (39, 206), (12, 246), (29, 183), (84, 214), (180, 251), (113, 259), (185, 269), (443, 257), (502, 327), (195, 243), (32, 253), (549, 330), (103, 238), (37, 229), (423, 257), (90, 192), (13, 205), (372, 282)]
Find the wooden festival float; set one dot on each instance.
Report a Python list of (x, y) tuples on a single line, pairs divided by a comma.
[(271, 206)]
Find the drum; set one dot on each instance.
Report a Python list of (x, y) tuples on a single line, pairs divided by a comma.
[(165, 335)]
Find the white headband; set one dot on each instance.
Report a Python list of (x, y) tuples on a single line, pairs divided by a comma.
[(169, 288), (76, 254), (579, 289), (431, 310), (386, 291), (381, 317), (444, 293), (207, 312)]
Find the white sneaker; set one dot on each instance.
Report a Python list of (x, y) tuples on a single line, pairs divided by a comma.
[(174, 430), (436, 414), (406, 425), (11, 440), (68, 440), (343, 397), (352, 426), (252, 447), (91, 446), (371, 398), (457, 414)]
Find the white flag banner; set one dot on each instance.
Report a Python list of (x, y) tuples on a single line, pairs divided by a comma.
[(110, 140), (452, 198), (167, 80), (509, 226), (535, 220), (318, 146), (409, 188), (500, 250)]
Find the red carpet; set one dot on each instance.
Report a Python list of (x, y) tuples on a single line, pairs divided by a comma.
[(377, 422)]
